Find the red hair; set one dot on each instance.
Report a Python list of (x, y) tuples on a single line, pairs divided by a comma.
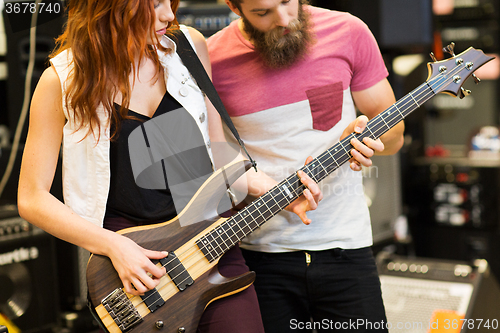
[(106, 37)]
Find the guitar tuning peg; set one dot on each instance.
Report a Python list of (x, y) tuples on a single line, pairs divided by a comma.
[(464, 92), (450, 49), (433, 57), (476, 79)]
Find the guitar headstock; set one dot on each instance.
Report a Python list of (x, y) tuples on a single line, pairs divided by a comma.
[(449, 75)]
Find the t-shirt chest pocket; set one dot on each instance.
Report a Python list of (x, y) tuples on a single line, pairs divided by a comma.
[(326, 105)]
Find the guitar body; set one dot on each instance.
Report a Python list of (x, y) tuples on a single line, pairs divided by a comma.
[(182, 309), (185, 308)]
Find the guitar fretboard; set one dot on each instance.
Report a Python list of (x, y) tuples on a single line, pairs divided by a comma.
[(222, 238)]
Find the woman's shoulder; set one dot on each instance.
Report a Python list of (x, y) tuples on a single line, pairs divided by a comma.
[(50, 79), (197, 37), (47, 96)]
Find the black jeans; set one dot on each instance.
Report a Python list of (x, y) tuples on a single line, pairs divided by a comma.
[(331, 290)]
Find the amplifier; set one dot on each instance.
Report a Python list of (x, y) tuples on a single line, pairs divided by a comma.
[(469, 23), (467, 10), (482, 35), (422, 295), (453, 208), (455, 192), (206, 18), (14, 228), (28, 280)]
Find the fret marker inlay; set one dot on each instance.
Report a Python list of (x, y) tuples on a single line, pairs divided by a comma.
[(287, 191)]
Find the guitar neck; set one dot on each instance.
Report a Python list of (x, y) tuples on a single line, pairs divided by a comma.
[(229, 233)]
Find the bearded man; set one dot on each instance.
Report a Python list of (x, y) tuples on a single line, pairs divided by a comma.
[(291, 77)]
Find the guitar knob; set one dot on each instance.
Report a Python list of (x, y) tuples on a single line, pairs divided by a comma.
[(464, 92), (476, 79), (433, 57), (450, 49), (159, 324), (181, 330)]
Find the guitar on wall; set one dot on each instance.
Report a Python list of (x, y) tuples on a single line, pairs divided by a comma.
[(192, 280)]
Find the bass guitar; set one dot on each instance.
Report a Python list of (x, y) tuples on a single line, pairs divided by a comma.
[(192, 280)]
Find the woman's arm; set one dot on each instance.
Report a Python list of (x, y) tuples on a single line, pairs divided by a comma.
[(42, 209)]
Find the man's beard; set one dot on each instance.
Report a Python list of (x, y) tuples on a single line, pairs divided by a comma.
[(279, 50)]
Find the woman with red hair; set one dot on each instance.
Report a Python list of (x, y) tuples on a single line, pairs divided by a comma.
[(114, 68)]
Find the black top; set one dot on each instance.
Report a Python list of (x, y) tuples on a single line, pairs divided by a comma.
[(126, 199)]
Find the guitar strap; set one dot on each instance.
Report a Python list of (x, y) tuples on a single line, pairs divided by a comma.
[(195, 67)]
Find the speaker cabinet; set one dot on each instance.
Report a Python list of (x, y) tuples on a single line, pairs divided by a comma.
[(28, 280), (421, 295)]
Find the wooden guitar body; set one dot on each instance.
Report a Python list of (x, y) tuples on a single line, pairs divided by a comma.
[(182, 311)]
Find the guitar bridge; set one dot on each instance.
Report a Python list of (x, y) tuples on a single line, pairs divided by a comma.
[(121, 310)]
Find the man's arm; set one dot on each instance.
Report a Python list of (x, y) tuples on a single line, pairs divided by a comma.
[(375, 100)]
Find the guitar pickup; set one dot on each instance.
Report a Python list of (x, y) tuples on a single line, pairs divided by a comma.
[(153, 299), (176, 271)]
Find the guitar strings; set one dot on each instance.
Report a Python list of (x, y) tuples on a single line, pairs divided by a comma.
[(380, 118), (376, 121)]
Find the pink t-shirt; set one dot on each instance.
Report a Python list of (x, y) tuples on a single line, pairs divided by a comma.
[(345, 52), (285, 115)]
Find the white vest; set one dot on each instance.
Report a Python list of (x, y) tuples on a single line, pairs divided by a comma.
[(86, 166)]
